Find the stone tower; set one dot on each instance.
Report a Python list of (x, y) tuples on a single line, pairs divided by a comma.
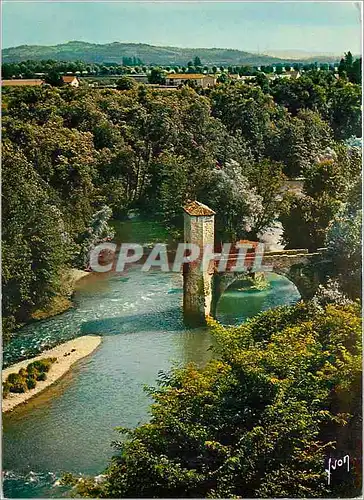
[(199, 223)]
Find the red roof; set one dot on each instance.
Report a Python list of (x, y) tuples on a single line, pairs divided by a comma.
[(196, 209), (69, 79)]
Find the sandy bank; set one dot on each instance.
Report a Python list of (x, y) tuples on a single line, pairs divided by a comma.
[(83, 346)]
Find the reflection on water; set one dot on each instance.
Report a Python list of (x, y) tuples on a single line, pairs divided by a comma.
[(140, 319), (236, 306)]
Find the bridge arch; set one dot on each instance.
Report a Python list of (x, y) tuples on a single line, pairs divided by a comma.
[(300, 274), (228, 285)]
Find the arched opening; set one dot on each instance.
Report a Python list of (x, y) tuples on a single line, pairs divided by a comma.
[(238, 302)]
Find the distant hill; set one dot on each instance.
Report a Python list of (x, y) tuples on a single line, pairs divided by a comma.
[(304, 55), (149, 54)]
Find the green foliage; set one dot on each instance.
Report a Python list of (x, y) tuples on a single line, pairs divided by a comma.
[(6, 389), (303, 93), (297, 141), (42, 365), (97, 231), (31, 383), (125, 83), (306, 220), (34, 249), (157, 76), (344, 243), (331, 179), (77, 155), (26, 379), (345, 110), (256, 423), (350, 69), (54, 78), (42, 376), (246, 110)]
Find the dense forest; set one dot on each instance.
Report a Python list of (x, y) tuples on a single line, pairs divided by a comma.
[(73, 157), (282, 389)]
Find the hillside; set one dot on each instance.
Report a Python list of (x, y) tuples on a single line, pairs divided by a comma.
[(307, 56), (149, 54)]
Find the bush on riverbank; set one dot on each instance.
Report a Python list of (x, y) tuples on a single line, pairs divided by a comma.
[(259, 421), (26, 379)]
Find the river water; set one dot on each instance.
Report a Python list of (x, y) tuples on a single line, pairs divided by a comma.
[(70, 426)]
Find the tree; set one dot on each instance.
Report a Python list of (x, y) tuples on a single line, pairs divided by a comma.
[(223, 78), (246, 110), (238, 205), (296, 142), (263, 82), (344, 244), (125, 83), (345, 110), (298, 94), (97, 231), (197, 61), (267, 179), (53, 78), (306, 220), (35, 243), (157, 76)]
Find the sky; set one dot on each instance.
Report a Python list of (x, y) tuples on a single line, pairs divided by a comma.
[(264, 27)]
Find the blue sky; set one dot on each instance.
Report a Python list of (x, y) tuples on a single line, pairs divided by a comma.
[(252, 26)]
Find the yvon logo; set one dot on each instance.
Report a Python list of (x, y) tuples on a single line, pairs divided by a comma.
[(334, 463)]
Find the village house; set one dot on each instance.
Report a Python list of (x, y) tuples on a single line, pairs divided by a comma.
[(72, 81), (204, 81), (247, 78), (293, 75)]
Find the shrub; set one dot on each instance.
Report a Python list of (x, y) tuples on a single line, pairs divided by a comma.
[(42, 365), (12, 378), (20, 386), (6, 389), (31, 383), (26, 378), (32, 370)]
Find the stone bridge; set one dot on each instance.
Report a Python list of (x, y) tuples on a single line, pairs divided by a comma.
[(203, 286), (295, 265)]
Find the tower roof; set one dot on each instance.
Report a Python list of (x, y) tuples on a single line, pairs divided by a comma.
[(195, 208)]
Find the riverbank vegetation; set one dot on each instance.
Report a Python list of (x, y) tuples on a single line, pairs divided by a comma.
[(283, 391), (26, 379), (74, 158), (259, 421)]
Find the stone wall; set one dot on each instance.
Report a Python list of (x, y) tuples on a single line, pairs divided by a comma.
[(197, 293)]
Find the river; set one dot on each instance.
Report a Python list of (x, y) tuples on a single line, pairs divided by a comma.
[(70, 426)]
